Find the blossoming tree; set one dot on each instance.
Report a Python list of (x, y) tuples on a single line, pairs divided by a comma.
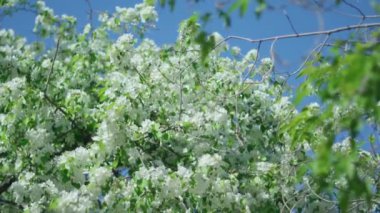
[(95, 124)]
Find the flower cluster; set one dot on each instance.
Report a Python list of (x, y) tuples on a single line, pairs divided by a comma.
[(114, 124)]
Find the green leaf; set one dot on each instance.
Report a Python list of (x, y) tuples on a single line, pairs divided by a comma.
[(260, 8), (150, 2), (53, 204), (242, 5), (304, 90), (205, 18), (207, 44), (2, 2), (226, 17), (171, 4)]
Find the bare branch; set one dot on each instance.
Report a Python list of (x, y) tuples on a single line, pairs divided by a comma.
[(90, 15), (356, 8), (4, 186), (315, 51), (254, 63), (90, 12), (52, 66), (287, 36), (272, 56), (290, 21), (357, 16), (180, 98), (180, 86), (266, 75)]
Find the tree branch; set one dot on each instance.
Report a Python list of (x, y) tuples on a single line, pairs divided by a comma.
[(90, 13), (2, 201), (290, 21), (287, 36), (315, 51), (52, 66), (254, 63), (4, 186), (86, 135), (357, 16), (355, 8), (170, 149)]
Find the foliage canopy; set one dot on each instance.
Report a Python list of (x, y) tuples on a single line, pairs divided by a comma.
[(96, 124)]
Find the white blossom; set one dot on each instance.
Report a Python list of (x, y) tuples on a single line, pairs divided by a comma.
[(250, 56), (209, 160), (146, 125), (266, 61), (73, 201), (148, 14), (184, 172), (264, 166), (219, 41), (100, 175), (235, 51)]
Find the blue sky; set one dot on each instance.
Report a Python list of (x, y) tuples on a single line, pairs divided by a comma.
[(290, 52), (271, 23)]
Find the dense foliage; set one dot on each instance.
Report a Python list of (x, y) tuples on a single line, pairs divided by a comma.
[(98, 124)]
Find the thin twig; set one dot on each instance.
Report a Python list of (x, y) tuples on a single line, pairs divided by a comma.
[(267, 74), (285, 203), (315, 51), (86, 134), (357, 16), (318, 196), (290, 21), (180, 85), (237, 126), (273, 58), (136, 141), (59, 108), (141, 77), (314, 33), (359, 11), (363, 17), (163, 75), (90, 15), (254, 63), (52, 66), (287, 36), (140, 157), (297, 202), (180, 97), (2, 201)]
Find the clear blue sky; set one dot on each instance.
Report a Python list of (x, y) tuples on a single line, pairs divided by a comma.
[(291, 52), (271, 23)]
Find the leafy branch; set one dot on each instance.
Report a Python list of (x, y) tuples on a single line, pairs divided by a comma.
[(86, 134)]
